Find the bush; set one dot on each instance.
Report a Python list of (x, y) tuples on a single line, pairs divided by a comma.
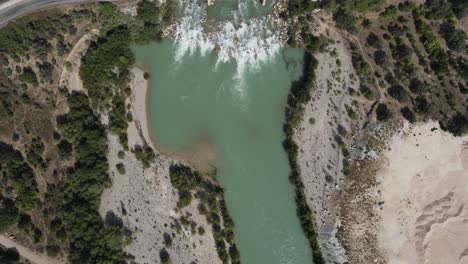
[(362, 68), (167, 240), (380, 57), (390, 11), (65, 149), (185, 198), (345, 19), (367, 92), (457, 125), (438, 9), (164, 256), (416, 86), (8, 215), (398, 92), (9, 256), (148, 12), (183, 178), (422, 106), (455, 38), (408, 114), (29, 76), (383, 113), (120, 168), (144, 154), (118, 120), (373, 40)]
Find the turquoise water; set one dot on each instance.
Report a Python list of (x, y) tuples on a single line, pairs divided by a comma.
[(194, 100)]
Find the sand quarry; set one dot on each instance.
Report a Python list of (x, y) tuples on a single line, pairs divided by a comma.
[(424, 191)]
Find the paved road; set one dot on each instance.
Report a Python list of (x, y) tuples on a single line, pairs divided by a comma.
[(15, 8)]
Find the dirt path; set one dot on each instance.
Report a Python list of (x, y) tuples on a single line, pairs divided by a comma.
[(33, 257), (71, 77)]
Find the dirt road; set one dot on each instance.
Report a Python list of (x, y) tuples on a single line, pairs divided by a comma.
[(33, 257)]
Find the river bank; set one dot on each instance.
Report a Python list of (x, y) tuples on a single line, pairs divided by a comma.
[(144, 198)]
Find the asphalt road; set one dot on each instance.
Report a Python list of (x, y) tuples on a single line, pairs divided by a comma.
[(15, 8)]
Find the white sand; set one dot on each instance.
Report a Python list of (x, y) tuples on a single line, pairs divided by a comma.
[(425, 194), (148, 197)]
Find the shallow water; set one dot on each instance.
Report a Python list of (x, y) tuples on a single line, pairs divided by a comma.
[(194, 100)]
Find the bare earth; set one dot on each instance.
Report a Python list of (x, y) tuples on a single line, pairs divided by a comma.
[(71, 77), (424, 188), (145, 199), (320, 157), (33, 257)]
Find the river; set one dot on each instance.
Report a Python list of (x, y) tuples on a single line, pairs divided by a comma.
[(236, 106)]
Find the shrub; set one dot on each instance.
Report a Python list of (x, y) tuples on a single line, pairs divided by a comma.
[(118, 120), (185, 198), (345, 19), (422, 106), (183, 178), (390, 11), (416, 86), (201, 230), (28, 76), (398, 92), (65, 149), (8, 216), (408, 114), (9, 256), (383, 113), (367, 92), (455, 38), (144, 154), (164, 256), (380, 57), (373, 40), (167, 240), (120, 168), (457, 125)]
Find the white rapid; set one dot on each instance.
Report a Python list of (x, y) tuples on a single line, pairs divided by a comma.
[(248, 41)]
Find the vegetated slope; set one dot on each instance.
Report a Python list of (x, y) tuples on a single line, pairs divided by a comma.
[(54, 163), (411, 63), (409, 68), (52, 177), (37, 156)]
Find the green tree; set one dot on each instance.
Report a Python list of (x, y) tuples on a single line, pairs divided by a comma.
[(383, 113)]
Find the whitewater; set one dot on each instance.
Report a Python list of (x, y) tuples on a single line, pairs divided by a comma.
[(249, 41)]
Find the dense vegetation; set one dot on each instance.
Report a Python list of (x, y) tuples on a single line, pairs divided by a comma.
[(300, 94), (212, 205), (9, 256), (62, 217), (90, 240), (420, 78), (19, 175), (105, 66)]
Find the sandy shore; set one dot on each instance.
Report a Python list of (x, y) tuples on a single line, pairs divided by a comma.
[(145, 199), (424, 191)]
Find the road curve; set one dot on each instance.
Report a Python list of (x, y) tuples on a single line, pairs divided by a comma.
[(15, 8)]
